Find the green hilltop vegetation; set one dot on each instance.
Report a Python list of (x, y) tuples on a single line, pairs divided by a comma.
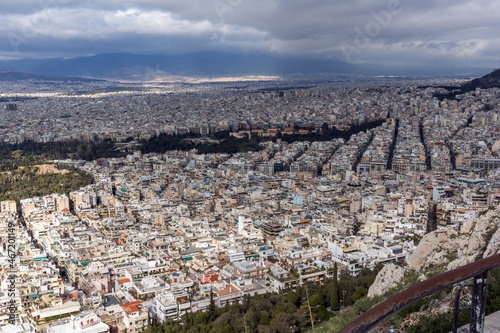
[(27, 182), (29, 152)]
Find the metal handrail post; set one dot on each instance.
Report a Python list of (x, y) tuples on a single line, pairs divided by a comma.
[(457, 306), (478, 309)]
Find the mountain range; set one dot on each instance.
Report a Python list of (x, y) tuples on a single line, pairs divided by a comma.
[(138, 66), (15, 76)]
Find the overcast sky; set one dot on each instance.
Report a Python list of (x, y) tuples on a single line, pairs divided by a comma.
[(399, 32)]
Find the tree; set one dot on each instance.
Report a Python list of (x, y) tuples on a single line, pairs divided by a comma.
[(493, 299), (201, 318), (284, 322), (17, 155), (309, 308), (334, 302), (317, 307), (359, 293), (246, 302), (293, 298), (222, 327), (212, 310)]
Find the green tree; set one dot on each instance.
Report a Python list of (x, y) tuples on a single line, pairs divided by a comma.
[(212, 309), (201, 318), (334, 301), (222, 327), (359, 293), (17, 155), (317, 307), (493, 291), (293, 297), (283, 323)]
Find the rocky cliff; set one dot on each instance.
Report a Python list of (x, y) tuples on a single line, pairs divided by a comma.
[(387, 278), (478, 238), (445, 249)]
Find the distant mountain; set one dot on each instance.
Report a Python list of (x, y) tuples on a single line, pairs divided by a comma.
[(124, 65), (491, 80), (137, 66), (17, 76)]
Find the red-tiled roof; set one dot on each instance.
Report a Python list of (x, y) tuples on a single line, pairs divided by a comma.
[(230, 289), (131, 307)]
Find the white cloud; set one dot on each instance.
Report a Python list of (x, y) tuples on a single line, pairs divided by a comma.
[(463, 30)]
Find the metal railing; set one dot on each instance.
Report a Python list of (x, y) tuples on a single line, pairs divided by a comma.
[(477, 270)]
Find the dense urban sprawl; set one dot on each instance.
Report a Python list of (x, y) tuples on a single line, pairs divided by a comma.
[(155, 234)]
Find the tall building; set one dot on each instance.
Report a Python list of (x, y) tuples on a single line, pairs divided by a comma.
[(8, 206), (62, 203), (11, 107)]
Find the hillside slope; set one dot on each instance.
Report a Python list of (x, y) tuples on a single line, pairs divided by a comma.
[(437, 252), (447, 248)]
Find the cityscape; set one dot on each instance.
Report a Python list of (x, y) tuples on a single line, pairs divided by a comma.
[(298, 192)]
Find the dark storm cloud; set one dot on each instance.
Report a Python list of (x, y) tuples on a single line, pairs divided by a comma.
[(382, 31)]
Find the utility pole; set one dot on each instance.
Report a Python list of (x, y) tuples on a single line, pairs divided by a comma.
[(343, 299)]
